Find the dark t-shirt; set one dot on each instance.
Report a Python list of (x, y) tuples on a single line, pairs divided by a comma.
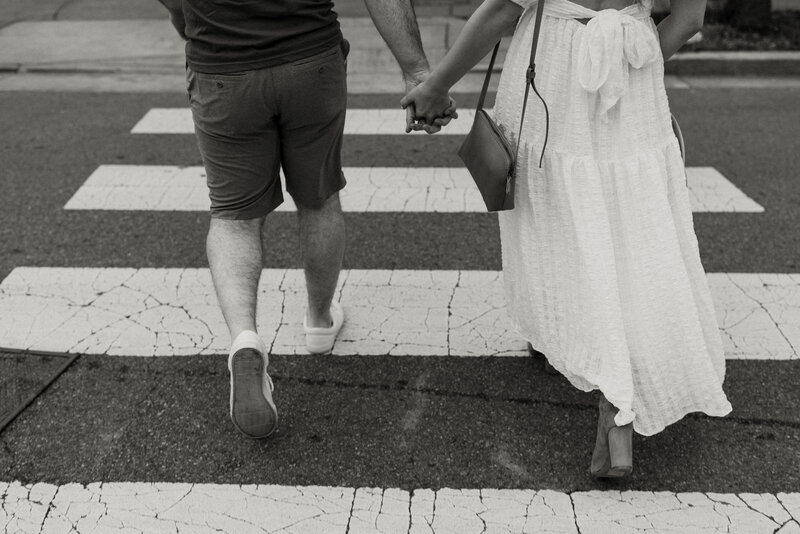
[(237, 35)]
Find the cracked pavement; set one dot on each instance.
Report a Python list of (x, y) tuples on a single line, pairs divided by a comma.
[(173, 312), (200, 508)]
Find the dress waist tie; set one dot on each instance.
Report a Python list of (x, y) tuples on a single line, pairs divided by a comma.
[(612, 42), (607, 47)]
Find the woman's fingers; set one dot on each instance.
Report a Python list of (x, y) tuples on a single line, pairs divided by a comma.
[(447, 115), (451, 110), (427, 112), (440, 112)]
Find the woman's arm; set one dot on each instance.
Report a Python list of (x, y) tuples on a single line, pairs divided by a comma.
[(482, 31), (684, 20)]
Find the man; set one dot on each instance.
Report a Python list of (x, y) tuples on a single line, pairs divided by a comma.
[(267, 87)]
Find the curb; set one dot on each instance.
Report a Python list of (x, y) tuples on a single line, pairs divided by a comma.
[(680, 67), (744, 63)]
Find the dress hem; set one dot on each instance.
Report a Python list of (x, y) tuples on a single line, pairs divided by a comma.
[(625, 415)]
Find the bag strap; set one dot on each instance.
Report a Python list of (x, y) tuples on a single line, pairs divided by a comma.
[(529, 80), (485, 87)]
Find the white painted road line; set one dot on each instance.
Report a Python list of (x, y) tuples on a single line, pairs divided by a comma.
[(169, 312), (359, 122), (202, 508), (369, 189), (166, 312), (710, 191)]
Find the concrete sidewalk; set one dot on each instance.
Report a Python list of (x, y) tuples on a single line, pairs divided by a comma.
[(64, 44), (129, 44), (150, 47)]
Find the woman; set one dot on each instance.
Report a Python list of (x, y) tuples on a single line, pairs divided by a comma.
[(600, 260)]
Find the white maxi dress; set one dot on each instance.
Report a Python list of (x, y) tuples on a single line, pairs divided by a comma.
[(601, 264)]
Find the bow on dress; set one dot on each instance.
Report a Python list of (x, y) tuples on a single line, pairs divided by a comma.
[(612, 42)]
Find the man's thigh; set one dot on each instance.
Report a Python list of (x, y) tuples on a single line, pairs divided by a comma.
[(312, 104), (239, 141)]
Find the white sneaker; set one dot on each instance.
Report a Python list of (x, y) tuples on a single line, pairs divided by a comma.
[(319, 340), (252, 410)]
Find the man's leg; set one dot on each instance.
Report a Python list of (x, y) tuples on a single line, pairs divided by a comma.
[(322, 240), (235, 258), (311, 123), (240, 151)]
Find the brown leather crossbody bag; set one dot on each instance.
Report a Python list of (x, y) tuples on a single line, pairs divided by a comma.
[(486, 152)]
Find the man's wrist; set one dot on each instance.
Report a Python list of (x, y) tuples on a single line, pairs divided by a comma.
[(418, 72)]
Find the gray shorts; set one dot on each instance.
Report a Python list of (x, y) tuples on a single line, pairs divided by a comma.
[(250, 124)]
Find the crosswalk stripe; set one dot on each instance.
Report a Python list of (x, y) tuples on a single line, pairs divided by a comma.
[(379, 121), (169, 312), (369, 189), (710, 191), (200, 508)]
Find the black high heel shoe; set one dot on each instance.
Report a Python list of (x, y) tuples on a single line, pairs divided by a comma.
[(613, 450)]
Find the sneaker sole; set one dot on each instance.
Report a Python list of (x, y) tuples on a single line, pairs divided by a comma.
[(251, 411), (320, 343)]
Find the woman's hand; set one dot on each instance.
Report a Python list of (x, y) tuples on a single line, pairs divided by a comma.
[(427, 108)]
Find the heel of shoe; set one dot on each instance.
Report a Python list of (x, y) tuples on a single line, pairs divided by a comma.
[(319, 343), (252, 412), (620, 448)]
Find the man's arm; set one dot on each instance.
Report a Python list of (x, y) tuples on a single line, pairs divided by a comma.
[(397, 24), (483, 29), (176, 15)]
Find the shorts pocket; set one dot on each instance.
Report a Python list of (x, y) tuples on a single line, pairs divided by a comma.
[(191, 81), (220, 103)]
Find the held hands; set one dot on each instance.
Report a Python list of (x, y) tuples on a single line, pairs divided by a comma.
[(427, 108)]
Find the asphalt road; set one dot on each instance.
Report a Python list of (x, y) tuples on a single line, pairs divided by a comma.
[(376, 421)]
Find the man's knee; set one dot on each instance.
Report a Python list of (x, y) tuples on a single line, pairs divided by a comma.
[(247, 225)]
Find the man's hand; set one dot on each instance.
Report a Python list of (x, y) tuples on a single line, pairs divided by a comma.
[(426, 108)]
